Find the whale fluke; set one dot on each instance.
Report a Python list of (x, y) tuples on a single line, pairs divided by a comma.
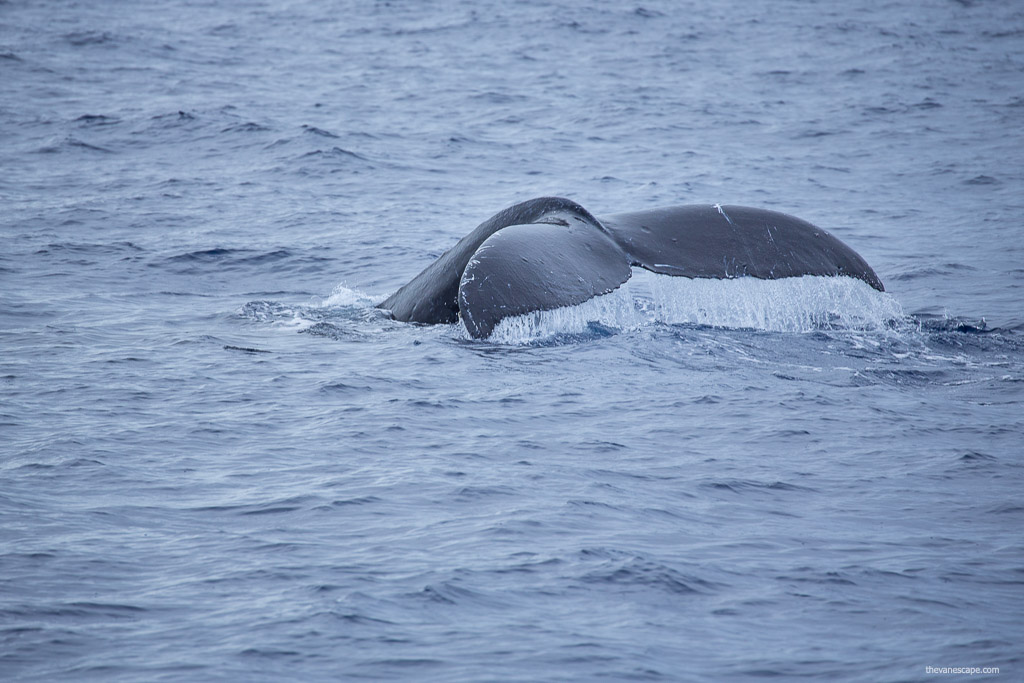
[(550, 252), (432, 296), (715, 241), (538, 267)]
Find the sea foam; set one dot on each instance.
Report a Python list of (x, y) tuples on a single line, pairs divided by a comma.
[(801, 304)]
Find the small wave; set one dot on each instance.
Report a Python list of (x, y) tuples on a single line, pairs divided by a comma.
[(330, 161), (614, 567), (90, 247), (71, 143), (174, 117), (313, 130), (97, 120), (228, 258), (335, 153), (647, 13), (248, 127), (83, 38), (203, 255), (803, 304), (245, 349), (932, 270), (742, 486)]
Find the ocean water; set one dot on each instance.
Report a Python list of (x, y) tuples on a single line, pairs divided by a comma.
[(218, 460)]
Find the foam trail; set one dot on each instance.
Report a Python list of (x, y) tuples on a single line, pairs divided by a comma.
[(343, 304), (801, 304)]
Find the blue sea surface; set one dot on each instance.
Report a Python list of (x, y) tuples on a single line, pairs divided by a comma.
[(219, 461)]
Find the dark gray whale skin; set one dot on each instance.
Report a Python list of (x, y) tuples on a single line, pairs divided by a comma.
[(550, 252)]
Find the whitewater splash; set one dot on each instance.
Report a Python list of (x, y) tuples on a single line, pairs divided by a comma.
[(344, 306), (800, 304), (344, 296)]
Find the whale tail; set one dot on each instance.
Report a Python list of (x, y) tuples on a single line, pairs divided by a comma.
[(550, 252)]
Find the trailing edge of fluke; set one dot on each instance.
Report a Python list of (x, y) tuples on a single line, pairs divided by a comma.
[(550, 252)]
